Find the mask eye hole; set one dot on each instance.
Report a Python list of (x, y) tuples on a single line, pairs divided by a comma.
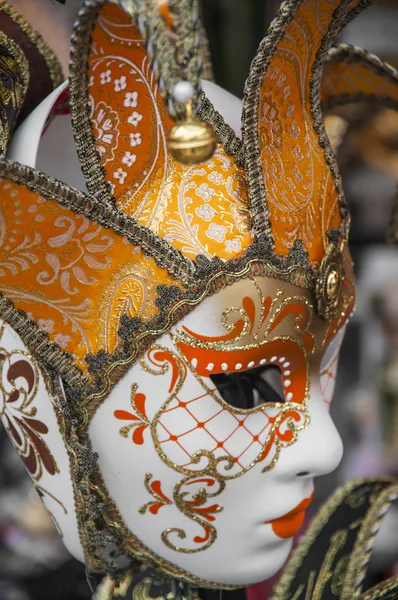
[(251, 388)]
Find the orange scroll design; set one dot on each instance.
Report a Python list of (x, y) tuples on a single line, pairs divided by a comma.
[(191, 496)]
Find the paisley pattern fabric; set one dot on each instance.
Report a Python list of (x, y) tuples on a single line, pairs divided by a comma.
[(74, 277), (201, 209), (105, 275), (352, 74), (301, 190)]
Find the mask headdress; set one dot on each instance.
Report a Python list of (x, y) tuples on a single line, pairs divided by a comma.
[(166, 213)]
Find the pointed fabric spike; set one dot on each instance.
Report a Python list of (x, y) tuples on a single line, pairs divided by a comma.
[(354, 75), (121, 123), (294, 187), (77, 284)]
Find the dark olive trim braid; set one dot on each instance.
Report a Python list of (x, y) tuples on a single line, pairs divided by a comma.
[(354, 55), (90, 158), (53, 64), (340, 20), (360, 97), (224, 133), (164, 253), (167, 71), (256, 187), (39, 344), (9, 112), (358, 56)]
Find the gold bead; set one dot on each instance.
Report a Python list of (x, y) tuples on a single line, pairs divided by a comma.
[(329, 282), (333, 284), (192, 141)]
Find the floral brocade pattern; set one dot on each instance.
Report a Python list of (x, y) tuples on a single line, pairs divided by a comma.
[(74, 277), (352, 73), (302, 198), (199, 210)]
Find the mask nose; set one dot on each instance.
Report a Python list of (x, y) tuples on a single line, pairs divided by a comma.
[(318, 449)]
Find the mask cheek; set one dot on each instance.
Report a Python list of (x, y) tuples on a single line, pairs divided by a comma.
[(328, 380)]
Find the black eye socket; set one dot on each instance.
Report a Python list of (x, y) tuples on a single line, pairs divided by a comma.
[(251, 388)]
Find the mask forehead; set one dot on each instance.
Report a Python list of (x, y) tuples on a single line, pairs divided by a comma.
[(237, 328)]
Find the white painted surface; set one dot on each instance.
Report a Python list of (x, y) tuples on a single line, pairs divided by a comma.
[(57, 488)]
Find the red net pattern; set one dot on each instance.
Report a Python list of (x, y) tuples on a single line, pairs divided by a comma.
[(204, 423)]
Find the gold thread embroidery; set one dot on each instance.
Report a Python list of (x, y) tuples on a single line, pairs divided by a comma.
[(53, 64)]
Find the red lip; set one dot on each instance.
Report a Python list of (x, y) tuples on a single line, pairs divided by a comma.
[(288, 525)]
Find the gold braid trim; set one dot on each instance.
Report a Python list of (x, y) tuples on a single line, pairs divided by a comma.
[(11, 101), (387, 590), (345, 582), (53, 64)]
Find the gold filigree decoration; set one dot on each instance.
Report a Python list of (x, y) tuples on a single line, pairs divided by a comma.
[(329, 282), (155, 490), (139, 420), (194, 506), (52, 62)]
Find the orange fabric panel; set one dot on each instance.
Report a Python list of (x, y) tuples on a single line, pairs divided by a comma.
[(74, 277), (201, 209), (352, 78), (301, 192)]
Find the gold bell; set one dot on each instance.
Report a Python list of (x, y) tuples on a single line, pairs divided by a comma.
[(191, 141)]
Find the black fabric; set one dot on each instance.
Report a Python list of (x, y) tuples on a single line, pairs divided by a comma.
[(40, 84)]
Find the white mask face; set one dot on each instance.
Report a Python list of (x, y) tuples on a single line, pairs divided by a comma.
[(210, 444), (33, 424)]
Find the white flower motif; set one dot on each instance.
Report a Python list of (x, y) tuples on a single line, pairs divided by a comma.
[(294, 129), (135, 139), (216, 177), (120, 84), (120, 175), (206, 212), (46, 325), (91, 81), (205, 191), (131, 99), (129, 159), (134, 119), (217, 232), (233, 245), (62, 340), (105, 77)]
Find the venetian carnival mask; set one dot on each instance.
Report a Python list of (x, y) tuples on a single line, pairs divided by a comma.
[(170, 338)]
